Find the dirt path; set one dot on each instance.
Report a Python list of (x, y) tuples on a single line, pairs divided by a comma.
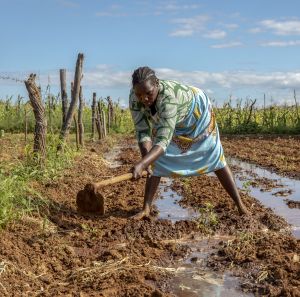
[(63, 253)]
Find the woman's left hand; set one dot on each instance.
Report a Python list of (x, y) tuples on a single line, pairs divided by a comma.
[(137, 170)]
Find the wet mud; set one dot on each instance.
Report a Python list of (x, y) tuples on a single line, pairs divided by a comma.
[(60, 252), (292, 203), (280, 153)]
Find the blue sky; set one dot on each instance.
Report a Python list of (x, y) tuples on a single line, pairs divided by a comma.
[(226, 47)]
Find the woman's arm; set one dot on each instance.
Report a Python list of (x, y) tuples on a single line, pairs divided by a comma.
[(155, 152), (145, 147)]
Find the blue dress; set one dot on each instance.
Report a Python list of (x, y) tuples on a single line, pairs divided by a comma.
[(190, 139)]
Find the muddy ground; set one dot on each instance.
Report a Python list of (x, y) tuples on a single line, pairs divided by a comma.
[(60, 252), (280, 153)]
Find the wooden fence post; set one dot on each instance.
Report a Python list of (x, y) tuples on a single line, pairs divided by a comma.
[(64, 94), (75, 96), (80, 122), (98, 124), (108, 114), (39, 147)]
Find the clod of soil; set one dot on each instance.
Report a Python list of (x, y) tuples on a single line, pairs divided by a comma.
[(292, 203)]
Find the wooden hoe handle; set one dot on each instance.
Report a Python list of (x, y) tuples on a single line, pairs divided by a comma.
[(116, 179)]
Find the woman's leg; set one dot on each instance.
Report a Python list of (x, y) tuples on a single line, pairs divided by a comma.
[(150, 190), (226, 179)]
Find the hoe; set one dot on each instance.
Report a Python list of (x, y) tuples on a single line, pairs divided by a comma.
[(91, 200)]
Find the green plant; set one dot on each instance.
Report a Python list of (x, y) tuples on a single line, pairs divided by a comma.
[(246, 186), (17, 197), (208, 219)]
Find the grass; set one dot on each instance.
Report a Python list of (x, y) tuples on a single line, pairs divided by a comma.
[(208, 219), (243, 117), (17, 197)]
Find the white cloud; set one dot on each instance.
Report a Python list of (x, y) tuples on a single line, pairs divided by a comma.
[(189, 26), (281, 43), (68, 3), (105, 78), (178, 7), (110, 14), (215, 34), (199, 25), (255, 30), (289, 27), (231, 26), (174, 7), (227, 45), (115, 10), (182, 33)]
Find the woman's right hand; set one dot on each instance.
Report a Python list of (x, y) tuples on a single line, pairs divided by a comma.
[(137, 170)]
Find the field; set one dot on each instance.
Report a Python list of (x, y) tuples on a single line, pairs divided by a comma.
[(48, 248)]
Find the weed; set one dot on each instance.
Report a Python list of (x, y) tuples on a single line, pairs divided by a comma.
[(246, 187), (17, 197), (208, 219)]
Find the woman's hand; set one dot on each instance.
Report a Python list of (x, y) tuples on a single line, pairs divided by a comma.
[(155, 152), (137, 170)]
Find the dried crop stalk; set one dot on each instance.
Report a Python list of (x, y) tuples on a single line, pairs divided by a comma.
[(93, 116)]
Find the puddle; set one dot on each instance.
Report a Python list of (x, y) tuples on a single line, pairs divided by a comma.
[(167, 205), (191, 276), (286, 188), (111, 157), (193, 279)]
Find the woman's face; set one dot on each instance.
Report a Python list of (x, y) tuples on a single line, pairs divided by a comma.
[(146, 92)]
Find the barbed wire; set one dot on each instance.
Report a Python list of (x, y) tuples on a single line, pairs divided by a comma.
[(11, 78), (18, 80)]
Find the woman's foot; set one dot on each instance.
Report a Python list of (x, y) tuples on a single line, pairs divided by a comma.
[(243, 210), (140, 215)]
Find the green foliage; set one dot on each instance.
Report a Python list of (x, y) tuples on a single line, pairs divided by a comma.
[(246, 186), (208, 219), (242, 118), (13, 114), (123, 122), (16, 195), (247, 118)]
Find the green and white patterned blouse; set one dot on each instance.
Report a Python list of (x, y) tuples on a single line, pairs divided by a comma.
[(172, 105)]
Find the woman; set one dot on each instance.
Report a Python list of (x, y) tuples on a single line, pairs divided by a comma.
[(177, 135)]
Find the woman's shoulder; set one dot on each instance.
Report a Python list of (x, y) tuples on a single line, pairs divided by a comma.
[(174, 89), (174, 85)]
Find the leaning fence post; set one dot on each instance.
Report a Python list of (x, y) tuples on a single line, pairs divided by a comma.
[(75, 96), (39, 147)]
